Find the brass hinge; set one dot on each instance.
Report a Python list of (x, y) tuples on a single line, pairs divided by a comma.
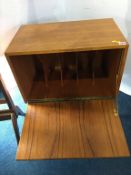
[(115, 113)]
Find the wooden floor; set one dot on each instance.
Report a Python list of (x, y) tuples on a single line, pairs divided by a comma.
[(82, 129)]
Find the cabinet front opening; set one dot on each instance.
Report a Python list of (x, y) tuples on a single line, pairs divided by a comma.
[(73, 74)]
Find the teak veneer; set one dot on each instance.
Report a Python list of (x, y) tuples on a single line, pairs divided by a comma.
[(85, 129), (77, 66)]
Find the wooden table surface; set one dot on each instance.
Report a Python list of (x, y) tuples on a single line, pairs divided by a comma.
[(80, 129)]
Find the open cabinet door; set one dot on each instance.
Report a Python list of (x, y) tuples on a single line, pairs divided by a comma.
[(75, 129)]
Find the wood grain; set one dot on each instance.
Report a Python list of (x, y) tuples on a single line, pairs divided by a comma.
[(65, 37), (87, 129)]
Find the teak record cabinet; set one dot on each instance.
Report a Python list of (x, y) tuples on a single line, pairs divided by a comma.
[(70, 73)]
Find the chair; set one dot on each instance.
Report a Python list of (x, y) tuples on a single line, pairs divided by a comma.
[(12, 112)]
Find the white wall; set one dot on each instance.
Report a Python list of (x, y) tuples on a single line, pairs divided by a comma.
[(14, 13), (11, 17)]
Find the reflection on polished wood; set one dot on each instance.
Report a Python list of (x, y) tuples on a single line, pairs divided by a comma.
[(79, 129)]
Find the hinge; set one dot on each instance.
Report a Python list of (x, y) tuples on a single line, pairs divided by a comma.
[(115, 112)]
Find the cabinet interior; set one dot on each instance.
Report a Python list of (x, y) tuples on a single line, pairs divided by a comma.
[(67, 75)]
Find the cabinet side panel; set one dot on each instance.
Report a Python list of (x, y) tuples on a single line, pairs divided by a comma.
[(114, 59), (121, 67), (24, 72)]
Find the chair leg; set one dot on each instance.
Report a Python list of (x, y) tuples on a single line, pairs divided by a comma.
[(15, 127), (19, 111)]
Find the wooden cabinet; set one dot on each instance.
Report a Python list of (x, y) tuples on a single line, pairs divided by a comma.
[(69, 61)]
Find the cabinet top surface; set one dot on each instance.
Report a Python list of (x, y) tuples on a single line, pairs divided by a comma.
[(66, 37)]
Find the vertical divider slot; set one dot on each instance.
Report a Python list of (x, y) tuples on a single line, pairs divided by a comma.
[(77, 71), (46, 71)]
